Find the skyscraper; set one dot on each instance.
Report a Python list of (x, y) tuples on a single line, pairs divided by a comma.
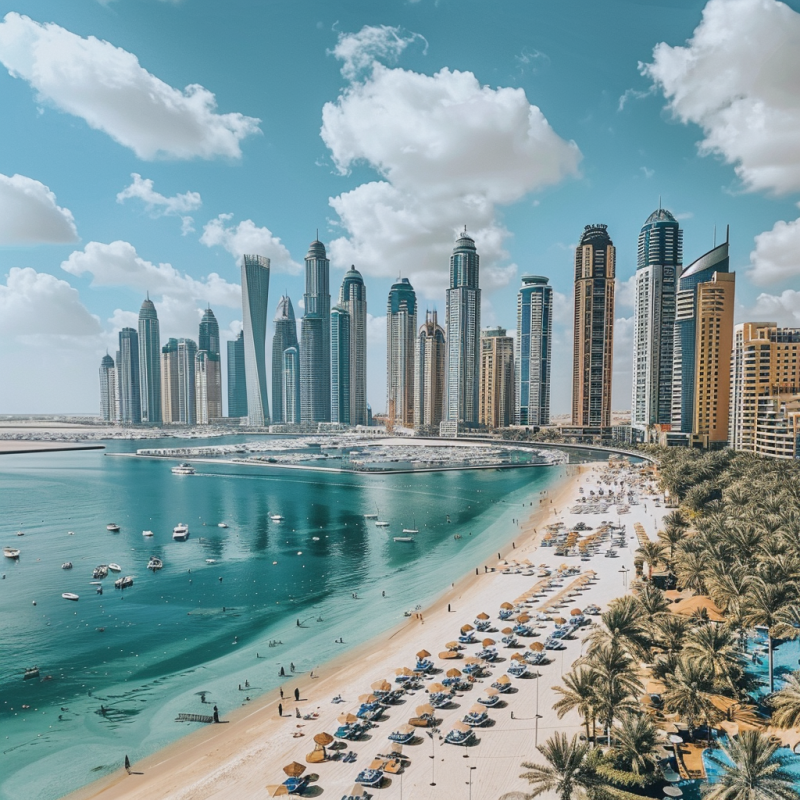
[(353, 297), (532, 351), (149, 372), (207, 387), (187, 393), (593, 344), (255, 296), (291, 385), (429, 372), (128, 377), (340, 365), (658, 268), (108, 389), (401, 335), (315, 337), (463, 323), (170, 410), (703, 341), (285, 335), (237, 378), (497, 379), (208, 339)]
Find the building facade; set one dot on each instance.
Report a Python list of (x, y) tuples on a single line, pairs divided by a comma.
[(401, 334), (291, 385), (315, 338), (341, 375), (207, 387), (497, 379), (659, 263), (463, 324), (593, 343), (149, 364), (186, 359), (533, 347), (285, 335), (429, 375), (237, 378), (170, 411), (128, 377), (353, 297), (255, 296), (108, 389), (778, 426)]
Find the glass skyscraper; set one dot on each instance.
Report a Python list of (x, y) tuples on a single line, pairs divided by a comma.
[(170, 411), (237, 379), (187, 391), (353, 297), (429, 365), (208, 339), (401, 340), (255, 296), (208, 370), (291, 385), (340, 365), (285, 335), (149, 363), (533, 347), (108, 389), (315, 348), (128, 377)]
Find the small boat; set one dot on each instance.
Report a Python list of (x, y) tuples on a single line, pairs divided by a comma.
[(100, 571), (404, 538), (211, 561), (155, 563), (180, 533), (123, 583), (147, 533), (183, 469), (276, 517), (115, 567), (66, 565), (222, 524), (30, 672), (380, 524), (315, 538), (112, 526), (70, 596), (413, 528), (20, 533), (370, 516), (11, 552)]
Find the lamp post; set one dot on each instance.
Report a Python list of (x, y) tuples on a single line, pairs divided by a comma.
[(432, 756), (537, 716), (625, 572), (471, 770)]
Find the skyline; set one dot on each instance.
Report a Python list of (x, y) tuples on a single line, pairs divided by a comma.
[(125, 247)]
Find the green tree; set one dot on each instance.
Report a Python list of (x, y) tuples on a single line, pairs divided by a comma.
[(579, 693), (786, 702)]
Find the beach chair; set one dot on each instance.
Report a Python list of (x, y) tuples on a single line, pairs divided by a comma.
[(370, 777)]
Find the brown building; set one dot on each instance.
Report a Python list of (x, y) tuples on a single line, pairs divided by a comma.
[(497, 379), (594, 328), (429, 372)]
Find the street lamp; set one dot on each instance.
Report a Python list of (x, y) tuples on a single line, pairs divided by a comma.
[(537, 716), (471, 769), (432, 756), (625, 572)]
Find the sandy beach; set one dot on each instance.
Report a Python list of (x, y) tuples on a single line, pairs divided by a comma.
[(244, 756)]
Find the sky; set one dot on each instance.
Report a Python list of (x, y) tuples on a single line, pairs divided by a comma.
[(146, 144)]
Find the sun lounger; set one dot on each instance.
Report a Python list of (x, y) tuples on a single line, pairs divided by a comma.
[(370, 777), (295, 785)]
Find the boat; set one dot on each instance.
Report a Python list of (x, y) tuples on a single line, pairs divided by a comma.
[(100, 571), (11, 552), (276, 517), (66, 565), (112, 526), (30, 672), (123, 583), (370, 516), (115, 567), (20, 533), (155, 563), (180, 533), (380, 524), (69, 533), (70, 596), (183, 469), (147, 533), (404, 538), (211, 561), (222, 524), (412, 529)]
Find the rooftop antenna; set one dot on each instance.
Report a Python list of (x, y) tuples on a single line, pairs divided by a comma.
[(727, 234), (317, 234), (715, 236), (659, 202)]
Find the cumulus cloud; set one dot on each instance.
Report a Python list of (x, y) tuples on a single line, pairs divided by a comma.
[(625, 292), (247, 237), (784, 309), (29, 214), (108, 88), (737, 78), (118, 264), (623, 360), (359, 51), (157, 205), (448, 152), (775, 258), (38, 304)]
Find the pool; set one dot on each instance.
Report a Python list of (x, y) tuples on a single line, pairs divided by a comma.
[(786, 657), (791, 762)]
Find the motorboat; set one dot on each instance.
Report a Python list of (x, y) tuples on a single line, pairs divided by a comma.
[(115, 567), (380, 524), (211, 561), (276, 517), (404, 538), (147, 533), (180, 533), (222, 524), (123, 583), (100, 571), (11, 552), (183, 469), (70, 596), (30, 672), (66, 565), (155, 564), (20, 533), (112, 526)]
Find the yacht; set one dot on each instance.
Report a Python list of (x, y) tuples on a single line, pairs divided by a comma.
[(112, 526), (412, 529), (30, 672), (370, 516), (100, 571), (180, 533), (66, 565), (70, 596), (183, 469), (155, 564), (380, 524), (276, 517), (147, 533), (404, 538), (222, 524), (115, 567), (11, 552), (123, 583)]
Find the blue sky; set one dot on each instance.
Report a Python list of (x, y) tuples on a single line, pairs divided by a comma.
[(387, 126)]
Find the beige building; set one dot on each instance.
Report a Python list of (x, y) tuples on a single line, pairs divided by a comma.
[(207, 388), (497, 379), (778, 426), (429, 372), (170, 411)]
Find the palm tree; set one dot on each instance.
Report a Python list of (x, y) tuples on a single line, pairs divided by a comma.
[(622, 624), (691, 567), (579, 693), (653, 554), (617, 684), (688, 693), (635, 742), (671, 537), (669, 632), (653, 602), (715, 650), (568, 772), (753, 771), (786, 702)]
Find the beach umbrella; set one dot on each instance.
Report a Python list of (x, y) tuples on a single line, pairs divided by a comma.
[(453, 646), (454, 673), (483, 615), (466, 628), (404, 671), (449, 654), (507, 631), (478, 709), (294, 770), (462, 727), (506, 605), (517, 657), (473, 660), (491, 692), (523, 618), (537, 647), (503, 679), (324, 739), (381, 686), (436, 688), (423, 654), (277, 791), (488, 642), (367, 698), (406, 729), (576, 612), (425, 710), (347, 719), (559, 620)]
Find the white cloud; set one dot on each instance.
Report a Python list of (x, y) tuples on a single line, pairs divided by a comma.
[(108, 88), (449, 152), (737, 78), (625, 292), (647, 172), (247, 237), (563, 308), (376, 330), (29, 214), (623, 359), (776, 256), (359, 51), (783, 309), (157, 205), (38, 304), (118, 264)]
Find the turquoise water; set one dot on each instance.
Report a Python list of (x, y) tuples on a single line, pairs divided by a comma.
[(196, 627), (790, 761), (785, 660)]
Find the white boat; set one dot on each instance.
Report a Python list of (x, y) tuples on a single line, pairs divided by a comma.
[(155, 563), (370, 516), (380, 524), (404, 538), (100, 571), (112, 526), (115, 567), (222, 524), (211, 561), (147, 533), (70, 596), (414, 529), (11, 552), (66, 565), (276, 517), (180, 533), (183, 469)]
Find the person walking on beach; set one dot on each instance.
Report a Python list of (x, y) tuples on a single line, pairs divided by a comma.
[(282, 672), (291, 666), (127, 765), (297, 695), (216, 714), (281, 692), (280, 709)]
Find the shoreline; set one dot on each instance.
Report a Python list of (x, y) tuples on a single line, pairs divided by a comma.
[(214, 751)]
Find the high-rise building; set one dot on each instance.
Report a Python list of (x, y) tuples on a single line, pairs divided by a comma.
[(765, 363), (149, 367), (315, 338), (340, 365), (463, 324), (255, 296), (353, 297), (497, 379), (533, 349), (660, 258), (237, 378), (128, 377), (170, 409), (285, 335), (429, 374), (291, 385), (108, 389), (187, 392), (702, 345), (207, 387), (593, 344), (208, 339), (401, 335)]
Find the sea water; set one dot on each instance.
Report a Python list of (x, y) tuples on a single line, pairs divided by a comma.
[(185, 638)]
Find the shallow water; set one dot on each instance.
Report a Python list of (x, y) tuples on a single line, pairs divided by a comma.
[(196, 627)]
